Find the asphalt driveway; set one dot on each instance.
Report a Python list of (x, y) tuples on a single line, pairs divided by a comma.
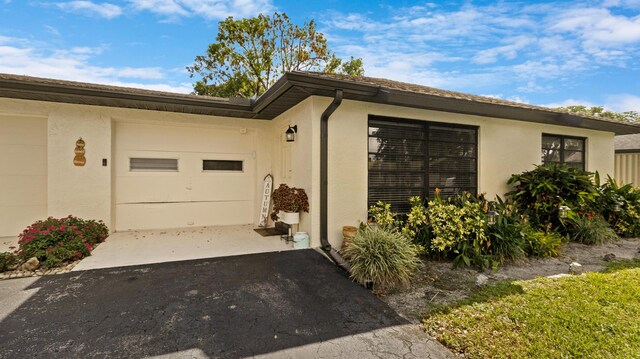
[(286, 304)]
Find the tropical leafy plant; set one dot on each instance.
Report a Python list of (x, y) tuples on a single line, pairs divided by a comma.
[(382, 256), (620, 206), (539, 243), (382, 216), (539, 193), (416, 226), (458, 230)]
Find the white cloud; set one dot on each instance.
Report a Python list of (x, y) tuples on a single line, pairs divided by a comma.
[(509, 51), (623, 102), (598, 27), (18, 56), (105, 10), (209, 9)]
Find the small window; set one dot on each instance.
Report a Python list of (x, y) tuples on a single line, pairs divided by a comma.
[(153, 164), (222, 165), (563, 150)]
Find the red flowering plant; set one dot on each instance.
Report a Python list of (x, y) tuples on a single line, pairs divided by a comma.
[(289, 199), (55, 241)]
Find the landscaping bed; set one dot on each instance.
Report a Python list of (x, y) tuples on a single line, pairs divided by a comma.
[(438, 284)]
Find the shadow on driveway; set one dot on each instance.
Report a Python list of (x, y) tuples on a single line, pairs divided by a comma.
[(226, 307)]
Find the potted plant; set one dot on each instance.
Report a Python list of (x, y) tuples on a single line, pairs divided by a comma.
[(288, 202)]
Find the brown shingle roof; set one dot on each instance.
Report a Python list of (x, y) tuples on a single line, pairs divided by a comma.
[(426, 90), (628, 142)]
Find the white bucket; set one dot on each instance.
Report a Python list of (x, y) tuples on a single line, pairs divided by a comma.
[(301, 240)]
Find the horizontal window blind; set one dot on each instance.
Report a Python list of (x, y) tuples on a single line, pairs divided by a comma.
[(411, 158)]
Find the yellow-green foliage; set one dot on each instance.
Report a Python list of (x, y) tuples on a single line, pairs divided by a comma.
[(452, 224), (416, 219), (382, 215), (590, 316)]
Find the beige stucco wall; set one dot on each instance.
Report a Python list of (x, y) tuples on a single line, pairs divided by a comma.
[(505, 147), (88, 191), (304, 160)]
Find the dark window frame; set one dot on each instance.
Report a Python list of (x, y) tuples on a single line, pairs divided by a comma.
[(426, 191), (583, 159), (230, 169)]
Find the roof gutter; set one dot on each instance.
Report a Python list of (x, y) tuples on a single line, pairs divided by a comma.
[(324, 182)]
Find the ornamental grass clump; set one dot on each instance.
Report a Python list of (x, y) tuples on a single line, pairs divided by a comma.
[(591, 229), (56, 241), (382, 256)]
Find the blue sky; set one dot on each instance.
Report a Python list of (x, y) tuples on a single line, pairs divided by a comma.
[(546, 53)]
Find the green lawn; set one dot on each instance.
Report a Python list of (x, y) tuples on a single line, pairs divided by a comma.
[(596, 315)]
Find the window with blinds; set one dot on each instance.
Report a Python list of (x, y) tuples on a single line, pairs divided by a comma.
[(153, 164), (563, 149), (411, 158)]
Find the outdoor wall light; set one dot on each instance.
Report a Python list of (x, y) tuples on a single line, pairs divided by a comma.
[(492, 217), (563, 211), (291, 133)]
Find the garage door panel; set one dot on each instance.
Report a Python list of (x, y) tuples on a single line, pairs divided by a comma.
[(178, 215), (182, 139), (23, 159), (152, 189), (24, 190), (223, 188), (149, 199)]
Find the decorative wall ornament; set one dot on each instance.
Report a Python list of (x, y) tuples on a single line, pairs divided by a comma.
[(266, 200), (79, 159)]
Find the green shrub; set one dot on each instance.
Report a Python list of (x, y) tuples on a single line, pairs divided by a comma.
[(538, 243), (382, 256), (55, 241), (620, 206), (591, 229), (8, 261), (458, 231), (381, 215), (540, 192), (416, 226), (506, 240)]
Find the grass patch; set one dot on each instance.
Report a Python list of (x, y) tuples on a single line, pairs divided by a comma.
[(596, 315), (622, 264)]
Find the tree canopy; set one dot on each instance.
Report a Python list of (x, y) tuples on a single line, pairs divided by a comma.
[(250, 54), (599, 111)]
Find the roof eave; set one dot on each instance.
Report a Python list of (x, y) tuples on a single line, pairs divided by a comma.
[(68, 93)]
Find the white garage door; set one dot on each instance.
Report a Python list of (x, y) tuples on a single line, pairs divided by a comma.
[(23, 172), (175, 176)]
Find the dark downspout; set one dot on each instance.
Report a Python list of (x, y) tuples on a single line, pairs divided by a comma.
[(324, 181)]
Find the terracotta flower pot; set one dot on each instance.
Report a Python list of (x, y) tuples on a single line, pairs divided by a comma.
[(348, 233)]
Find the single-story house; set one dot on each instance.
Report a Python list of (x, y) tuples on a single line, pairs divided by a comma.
[(164, 160), (627, 159)]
